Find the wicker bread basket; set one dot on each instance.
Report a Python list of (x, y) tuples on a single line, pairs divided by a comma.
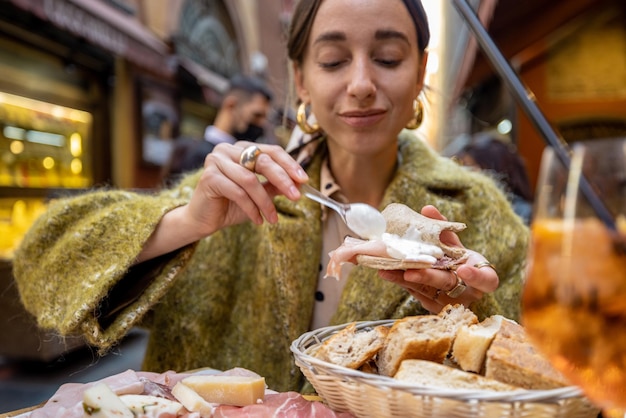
[(368, 395)]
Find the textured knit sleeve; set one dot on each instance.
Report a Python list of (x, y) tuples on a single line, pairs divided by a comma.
[(81, 248)]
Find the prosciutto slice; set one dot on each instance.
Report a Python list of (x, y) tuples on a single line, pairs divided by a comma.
[(67, 402), (348, 251), (281, 405)]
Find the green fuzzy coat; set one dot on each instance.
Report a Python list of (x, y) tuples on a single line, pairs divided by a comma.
[(241, 296)]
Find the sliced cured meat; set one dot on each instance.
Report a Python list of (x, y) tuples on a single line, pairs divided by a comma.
[(281, 405), (67, 402)]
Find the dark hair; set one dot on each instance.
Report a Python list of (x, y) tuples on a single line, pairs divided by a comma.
[(503, 160), (306, 10), (250, 85)]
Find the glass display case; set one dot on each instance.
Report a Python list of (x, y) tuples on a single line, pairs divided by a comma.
[(43, 147)]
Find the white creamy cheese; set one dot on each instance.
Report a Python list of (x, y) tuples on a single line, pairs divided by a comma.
[(410, 246), (366, 221)]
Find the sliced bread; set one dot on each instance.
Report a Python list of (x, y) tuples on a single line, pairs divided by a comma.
[(352, 348), (457, 316), (511, 358), (425, 337), (472, 342), (427, 373)]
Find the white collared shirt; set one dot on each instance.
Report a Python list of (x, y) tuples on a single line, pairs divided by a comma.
[(334, 230), (217, 136)]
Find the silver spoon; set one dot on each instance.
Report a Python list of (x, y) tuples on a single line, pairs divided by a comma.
[(363, 219)]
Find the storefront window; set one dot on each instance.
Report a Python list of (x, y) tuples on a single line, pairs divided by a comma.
[(43, 145), (16, 216)]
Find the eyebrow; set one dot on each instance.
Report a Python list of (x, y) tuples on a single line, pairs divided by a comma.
[(380, 35), (390, 34)]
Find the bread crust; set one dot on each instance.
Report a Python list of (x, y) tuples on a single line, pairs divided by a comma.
[(384, 263), (429, 374), (450, 349), (425, 337), (512, 359), (351, 347)]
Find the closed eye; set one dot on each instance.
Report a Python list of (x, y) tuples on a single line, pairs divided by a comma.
[(389, 63), (330, 65)]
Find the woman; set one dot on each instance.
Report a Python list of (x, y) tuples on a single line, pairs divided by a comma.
[(225, 269)]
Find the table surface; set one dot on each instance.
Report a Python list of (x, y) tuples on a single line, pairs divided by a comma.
[(19, 411)]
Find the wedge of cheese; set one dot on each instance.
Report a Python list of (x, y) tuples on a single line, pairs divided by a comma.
[(192, 401), (99, 401), (148, 405), (228, 390)]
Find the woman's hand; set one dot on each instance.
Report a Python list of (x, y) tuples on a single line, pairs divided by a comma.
[(429, 286), (227, 194)]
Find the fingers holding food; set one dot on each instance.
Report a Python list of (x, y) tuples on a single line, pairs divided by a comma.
[(415, 254), (476, 274), (275, 165), (432, 296), (241, 181)]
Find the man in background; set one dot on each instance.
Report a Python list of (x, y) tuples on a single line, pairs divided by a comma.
[(241, 116)]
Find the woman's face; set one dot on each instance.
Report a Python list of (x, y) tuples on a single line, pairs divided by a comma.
[(361, 72)]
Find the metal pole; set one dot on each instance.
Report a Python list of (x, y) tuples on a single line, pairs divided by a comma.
[(526, 99)]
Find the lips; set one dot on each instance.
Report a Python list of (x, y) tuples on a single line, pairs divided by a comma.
[(359, 119)]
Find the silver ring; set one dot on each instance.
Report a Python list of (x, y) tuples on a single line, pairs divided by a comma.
[(459, 288), (485, 264), (248, 157)]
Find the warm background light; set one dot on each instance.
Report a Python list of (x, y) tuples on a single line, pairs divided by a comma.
[(48, 163), (16, 147), (76, 145), (76, 166)]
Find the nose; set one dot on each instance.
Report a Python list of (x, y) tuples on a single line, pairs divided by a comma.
[(361, 84)]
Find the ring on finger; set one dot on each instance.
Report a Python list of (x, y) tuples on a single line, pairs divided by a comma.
[(485, 264), (248, 157), (459, 288)]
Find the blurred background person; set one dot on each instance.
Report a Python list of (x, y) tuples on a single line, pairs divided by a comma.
[(242, 115), (499, 157)]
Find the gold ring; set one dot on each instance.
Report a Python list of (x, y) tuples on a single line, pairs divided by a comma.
[(248, 157), (485, 264), (458, 289)]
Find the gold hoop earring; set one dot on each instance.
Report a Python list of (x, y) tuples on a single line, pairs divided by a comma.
[(418, 110), (301, 118)]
